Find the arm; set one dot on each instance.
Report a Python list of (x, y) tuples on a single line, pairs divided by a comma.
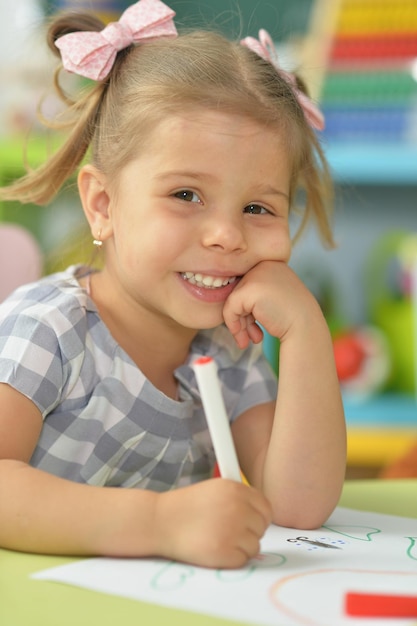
[(296, 452), (216, 523)]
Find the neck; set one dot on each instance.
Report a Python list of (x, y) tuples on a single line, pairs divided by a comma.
[(157, 345)]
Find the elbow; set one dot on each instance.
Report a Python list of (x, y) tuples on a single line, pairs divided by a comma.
[(300, 520), (304, 514)]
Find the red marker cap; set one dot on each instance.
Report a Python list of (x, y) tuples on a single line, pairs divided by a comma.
[(203, 360), (380, 605)]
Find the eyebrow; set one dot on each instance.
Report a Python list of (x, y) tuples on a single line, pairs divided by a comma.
[(267, 189), (184, 174)]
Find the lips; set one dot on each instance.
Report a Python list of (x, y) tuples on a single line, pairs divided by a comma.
[(208, 281)]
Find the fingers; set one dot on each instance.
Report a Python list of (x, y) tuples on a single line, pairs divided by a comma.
[(248, 539), (244, 329), (254, 331), (255, 519), (258, 523), (216, 523)]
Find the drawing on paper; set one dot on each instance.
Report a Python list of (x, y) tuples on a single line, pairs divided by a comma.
[(299, 578), (321, 542)]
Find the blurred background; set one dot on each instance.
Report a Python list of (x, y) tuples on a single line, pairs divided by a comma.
[(359, 60)]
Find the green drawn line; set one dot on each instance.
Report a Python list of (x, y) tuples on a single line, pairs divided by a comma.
[(372, 531), (176, 582), (411, 548), (269, 560)]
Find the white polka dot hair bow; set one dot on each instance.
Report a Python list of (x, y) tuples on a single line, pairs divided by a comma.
[(92, 54)]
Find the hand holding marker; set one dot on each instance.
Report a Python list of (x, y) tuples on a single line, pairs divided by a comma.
[(218, 423)]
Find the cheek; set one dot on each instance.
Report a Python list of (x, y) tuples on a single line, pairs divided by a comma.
[(129, 244), (150, 246), (286, 249), (276, 246)]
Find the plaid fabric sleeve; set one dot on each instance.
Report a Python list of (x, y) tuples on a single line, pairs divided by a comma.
[(38, 348)]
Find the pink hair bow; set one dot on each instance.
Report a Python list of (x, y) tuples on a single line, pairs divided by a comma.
[(264, 47), (92, 54)]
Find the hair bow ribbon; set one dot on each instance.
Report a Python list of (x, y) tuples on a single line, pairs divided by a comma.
[(92, 54), (264, 47)]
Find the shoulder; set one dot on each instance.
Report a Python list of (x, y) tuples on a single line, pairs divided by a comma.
[(58, 293), (55, 306), (43, 330)]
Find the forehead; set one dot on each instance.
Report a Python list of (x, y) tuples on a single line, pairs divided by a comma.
[(200, 133), (228, 151), (217, 122)]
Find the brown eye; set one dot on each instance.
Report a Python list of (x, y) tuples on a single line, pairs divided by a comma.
[(255, 209), (187, 195)]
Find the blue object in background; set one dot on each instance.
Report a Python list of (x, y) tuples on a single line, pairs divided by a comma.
[(108, 10), (271, 350), (366, 123)]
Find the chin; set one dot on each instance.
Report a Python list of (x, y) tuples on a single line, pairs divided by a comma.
[(203, 322)]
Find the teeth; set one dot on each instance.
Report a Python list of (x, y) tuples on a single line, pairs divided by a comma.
[(210, 282)]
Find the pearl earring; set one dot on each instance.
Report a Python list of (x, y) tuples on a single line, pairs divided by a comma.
[(97, 242)]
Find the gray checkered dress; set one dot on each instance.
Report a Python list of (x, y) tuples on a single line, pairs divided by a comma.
[(104, 423)]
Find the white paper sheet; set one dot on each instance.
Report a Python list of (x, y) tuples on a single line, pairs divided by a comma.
[(292, 583)]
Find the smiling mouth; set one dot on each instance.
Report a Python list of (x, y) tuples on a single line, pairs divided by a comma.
[(206, 281)]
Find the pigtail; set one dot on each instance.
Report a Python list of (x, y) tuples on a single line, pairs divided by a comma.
[(316, 179), (40, 185), (64, 25)]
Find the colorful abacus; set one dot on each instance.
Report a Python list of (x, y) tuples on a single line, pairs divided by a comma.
[(369, 91), (107, 10)]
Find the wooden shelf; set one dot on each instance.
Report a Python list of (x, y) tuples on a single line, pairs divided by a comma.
[(380, 428)]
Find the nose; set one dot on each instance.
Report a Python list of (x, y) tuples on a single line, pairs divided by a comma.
[(224, 232)]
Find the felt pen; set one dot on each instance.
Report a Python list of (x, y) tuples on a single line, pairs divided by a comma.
[(361, 604), (213, 404)]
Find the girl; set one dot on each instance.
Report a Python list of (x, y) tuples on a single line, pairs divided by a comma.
[(198, 146)]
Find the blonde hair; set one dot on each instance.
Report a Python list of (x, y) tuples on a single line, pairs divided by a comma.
[(152, 80)]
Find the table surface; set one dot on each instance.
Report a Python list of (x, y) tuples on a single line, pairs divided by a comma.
[(27, 602)]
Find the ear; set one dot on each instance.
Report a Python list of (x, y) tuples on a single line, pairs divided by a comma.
[(95, 201)]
